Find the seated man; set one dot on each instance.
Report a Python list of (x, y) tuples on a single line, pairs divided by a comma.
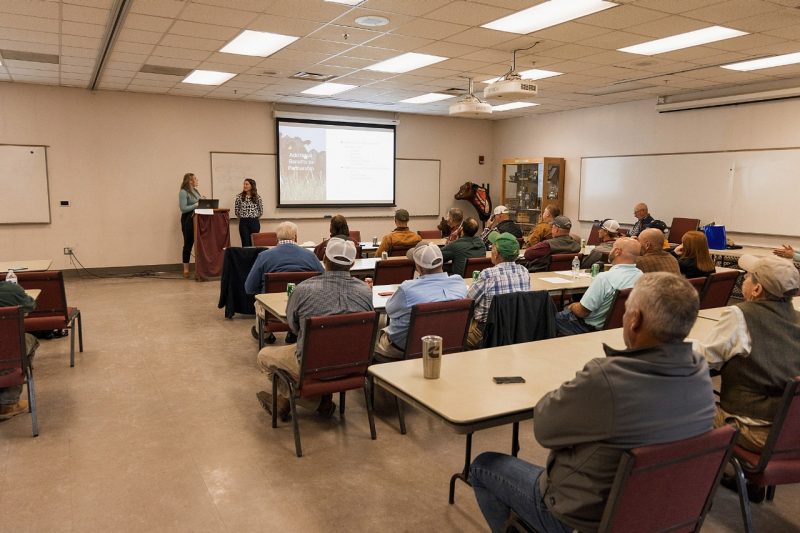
[(432, 285), (333, 292), (538, 256), (654, 258), (11, 294), (755, 345), (541, 231), (608, 233), (466, 246), (505, 277), (589, 422), (590, 313), (643, 219), (400, 236), (287, 256), (455, 219), (501, 221)]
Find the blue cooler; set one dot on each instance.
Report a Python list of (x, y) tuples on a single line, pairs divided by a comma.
[(715, 235)]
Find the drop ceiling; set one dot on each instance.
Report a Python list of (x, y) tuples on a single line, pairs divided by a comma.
[(159, 41)]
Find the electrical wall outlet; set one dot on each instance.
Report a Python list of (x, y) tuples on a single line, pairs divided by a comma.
[(67, 250)]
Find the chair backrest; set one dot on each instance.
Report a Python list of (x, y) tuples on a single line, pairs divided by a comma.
[(337, 347), (699, 284), (476, 263), (668, 487), (594, 235), (520, 316), (783, 442), (614, 317), (12, 338), (680, 226), (355, 235), (393, 271), (52, 301), (276, 281), (267, 238), (718, 289), (430, 233), (561, 261), (400, 251), (449, 320)]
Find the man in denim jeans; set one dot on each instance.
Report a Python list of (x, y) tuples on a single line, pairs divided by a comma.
[(655, 391)]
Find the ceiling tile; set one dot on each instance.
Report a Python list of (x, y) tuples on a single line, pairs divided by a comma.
[(89, 15), (29, 36), (133, 48), (191, 43), (23, 22), (160, 8), (481, 37), (78, 52), (731, 10), (81, 42), (82, 30), (307, 9), (569, 32), (370, 52), (469, 13), (139, 36), (407, 7), (614, 40), (34, 9), (147, 23), (395, 19), (430, 29), (675, 6), (768, 21), (400, 42), (233, 59), (344, 34), (666, 27), (221, 16), (79, 61), (746, 42), (284, 26), (180, 53), (38, 48), (207, 31), (622, 17)]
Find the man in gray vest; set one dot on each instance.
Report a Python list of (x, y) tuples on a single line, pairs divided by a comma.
[(538, 256), (755, 345)]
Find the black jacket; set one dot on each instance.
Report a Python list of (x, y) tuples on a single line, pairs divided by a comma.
[(519, 317)]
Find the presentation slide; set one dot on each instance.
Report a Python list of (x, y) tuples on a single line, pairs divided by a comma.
[(331, 163)]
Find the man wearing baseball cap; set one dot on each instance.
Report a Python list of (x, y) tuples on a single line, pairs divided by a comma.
[(333, 292), (400, 236), (501, 222), (432, 285), (755, 345), (505, 277), (538, 255), (608, 233)]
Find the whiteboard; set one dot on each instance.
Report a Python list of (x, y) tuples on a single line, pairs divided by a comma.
[(416, 188), (748, 191), (24, 193)]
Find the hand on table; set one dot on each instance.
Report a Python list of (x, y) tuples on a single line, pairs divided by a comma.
[(784, 251)]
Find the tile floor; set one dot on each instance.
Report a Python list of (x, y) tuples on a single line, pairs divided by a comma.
[(157, 428)]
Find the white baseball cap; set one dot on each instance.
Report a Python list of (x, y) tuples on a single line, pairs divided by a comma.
[(500, 209), (340, 251), (610, 225), (427, 256)]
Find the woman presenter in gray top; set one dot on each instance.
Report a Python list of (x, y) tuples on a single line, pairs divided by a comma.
[(188, 198), (249, 208)]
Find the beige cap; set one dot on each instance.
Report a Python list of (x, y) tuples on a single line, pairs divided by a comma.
[(340, 251), (778, 276), (427, 256)]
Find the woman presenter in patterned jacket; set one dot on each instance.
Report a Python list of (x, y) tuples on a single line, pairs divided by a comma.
[(249, 209)]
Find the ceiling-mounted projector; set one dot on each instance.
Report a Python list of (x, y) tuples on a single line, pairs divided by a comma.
[(514, 88), (470, 105)]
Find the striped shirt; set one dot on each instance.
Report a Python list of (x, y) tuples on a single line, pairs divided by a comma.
[(504, 278), (248, 208)]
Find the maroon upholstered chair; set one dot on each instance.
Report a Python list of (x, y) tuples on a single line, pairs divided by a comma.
[(449, 320), (267, 238), (594, 235), (562, 261), (430, 233), (399, 251), (393, 271), (699, 284), (14, 357), (52, 311), (336, 354), (779, 461), (614, 317), (718, 289), (476, 263), (355, 235), (680, 226), (276, 282)]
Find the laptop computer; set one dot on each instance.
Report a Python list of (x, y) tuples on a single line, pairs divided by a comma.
[(208, 203)]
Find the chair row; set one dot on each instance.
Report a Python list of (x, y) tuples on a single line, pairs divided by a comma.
[(677, 229), (270, 238)]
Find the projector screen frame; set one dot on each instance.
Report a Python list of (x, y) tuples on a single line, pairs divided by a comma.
[(375, 125)]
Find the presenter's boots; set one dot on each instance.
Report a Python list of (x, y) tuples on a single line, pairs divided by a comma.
[(186, 271)]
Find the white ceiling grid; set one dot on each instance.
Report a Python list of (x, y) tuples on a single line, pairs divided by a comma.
[(187, 34)]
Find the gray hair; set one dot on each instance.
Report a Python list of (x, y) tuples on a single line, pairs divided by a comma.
[(668, 304), (287, 231), (456, 214)]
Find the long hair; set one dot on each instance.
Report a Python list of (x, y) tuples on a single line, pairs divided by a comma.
[(253, 190), (695, 246), (185, 185), (339, 226)]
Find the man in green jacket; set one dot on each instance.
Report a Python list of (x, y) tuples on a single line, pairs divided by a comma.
[(466, 246)]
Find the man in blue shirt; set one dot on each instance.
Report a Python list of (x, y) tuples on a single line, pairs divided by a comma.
[(432, 285), (287, 256), (590, 313)]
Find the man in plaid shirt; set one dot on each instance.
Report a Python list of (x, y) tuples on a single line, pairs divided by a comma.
[(505, 277)]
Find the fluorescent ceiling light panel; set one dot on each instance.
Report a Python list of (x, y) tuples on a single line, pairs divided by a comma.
[(547, 14), (406, 62), (346, 2), (427, 98), (532, 74), (512, 105), (683, 40), (257, 43), (207, 77), (327, 89), (766, 62)]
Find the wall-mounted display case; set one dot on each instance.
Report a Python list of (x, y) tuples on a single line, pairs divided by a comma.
[(531, 184)]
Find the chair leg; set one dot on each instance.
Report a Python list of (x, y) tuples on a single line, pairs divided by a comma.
[(80, 332), (400, 415), (72, 343), (341, 403), (770, 493), (275, 379), (32, 403), (295, 424), (260, 328), (370, 414), (744, 502)]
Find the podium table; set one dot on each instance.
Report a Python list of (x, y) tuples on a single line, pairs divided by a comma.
[(212, 235)]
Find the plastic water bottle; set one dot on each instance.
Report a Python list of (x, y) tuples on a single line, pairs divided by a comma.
[(11, 277), (576, 267)]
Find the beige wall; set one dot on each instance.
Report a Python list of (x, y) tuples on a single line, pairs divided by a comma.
[(636, 128), (119, 158)]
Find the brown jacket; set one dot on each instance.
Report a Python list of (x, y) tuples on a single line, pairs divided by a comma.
[(628, 399), (658, 261), (398, 237)]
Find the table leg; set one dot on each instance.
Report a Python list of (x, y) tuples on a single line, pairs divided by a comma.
[(464, 475), (515, 439)]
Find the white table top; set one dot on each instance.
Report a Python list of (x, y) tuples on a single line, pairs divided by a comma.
[(745, 250), (33, 293), (466, 397), (716, 312), (275, 302), (26, 265)]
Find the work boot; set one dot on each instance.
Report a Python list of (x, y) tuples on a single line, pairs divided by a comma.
[(284, 409), (326, 406), (10, 411)]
